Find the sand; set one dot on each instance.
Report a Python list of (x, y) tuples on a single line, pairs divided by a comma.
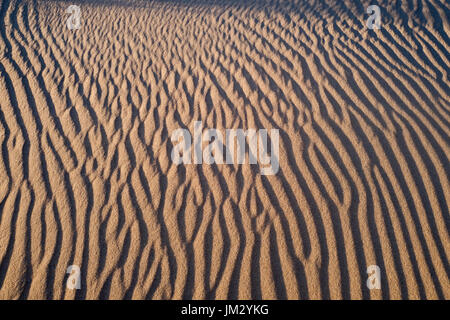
[(87, 179)]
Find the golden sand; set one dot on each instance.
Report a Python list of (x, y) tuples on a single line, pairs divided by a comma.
[(86, 176)]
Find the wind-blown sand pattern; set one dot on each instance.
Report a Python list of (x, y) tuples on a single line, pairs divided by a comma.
[(86, 176)]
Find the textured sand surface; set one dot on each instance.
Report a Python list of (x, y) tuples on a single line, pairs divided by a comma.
[(86, 176)]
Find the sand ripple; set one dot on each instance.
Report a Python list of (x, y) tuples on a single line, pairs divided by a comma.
[(86, 176)]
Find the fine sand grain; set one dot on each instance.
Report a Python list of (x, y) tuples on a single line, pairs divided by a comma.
[(87, 179)]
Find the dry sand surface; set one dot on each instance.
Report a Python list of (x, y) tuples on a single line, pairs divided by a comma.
[(87, 179)]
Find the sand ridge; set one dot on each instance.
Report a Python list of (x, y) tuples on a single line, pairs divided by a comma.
[(86, 176)]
